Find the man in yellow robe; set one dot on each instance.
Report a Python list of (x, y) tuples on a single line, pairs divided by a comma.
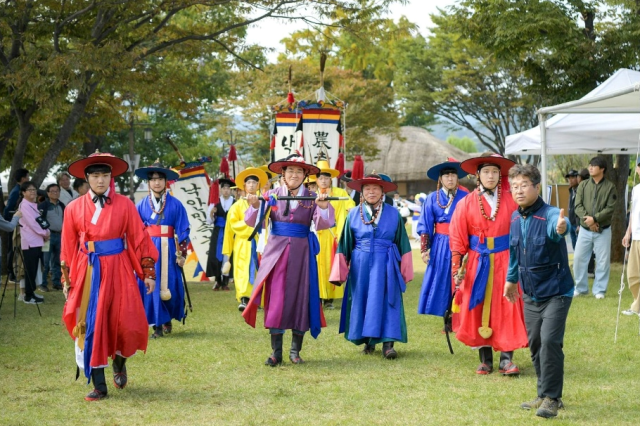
[(329, 237), (237, 236)]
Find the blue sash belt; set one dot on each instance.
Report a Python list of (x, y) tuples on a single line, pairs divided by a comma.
[(253, 264), (100, 248), (297, 230), (484, 265), (220, 222), (394, 276)]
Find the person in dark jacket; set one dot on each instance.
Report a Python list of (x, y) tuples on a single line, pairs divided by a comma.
[(53, 211), (538, 259)]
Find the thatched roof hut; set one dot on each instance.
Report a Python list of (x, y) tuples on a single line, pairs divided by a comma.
[(407, 161)]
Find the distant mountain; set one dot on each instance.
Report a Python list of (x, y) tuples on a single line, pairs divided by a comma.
[(442, 132)]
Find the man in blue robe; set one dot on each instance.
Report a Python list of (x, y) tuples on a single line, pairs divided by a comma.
[(167, 223)]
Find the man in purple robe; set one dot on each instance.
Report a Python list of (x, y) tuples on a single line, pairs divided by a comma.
[(288, 274)]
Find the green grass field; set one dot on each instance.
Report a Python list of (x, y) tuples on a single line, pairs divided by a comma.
[(211, 371)]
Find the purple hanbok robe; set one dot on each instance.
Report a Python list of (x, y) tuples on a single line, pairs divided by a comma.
[(283, 275)]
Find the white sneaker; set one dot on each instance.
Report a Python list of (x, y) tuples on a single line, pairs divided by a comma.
[(629, 312), (21, 297), (576, 293), (600, 296)]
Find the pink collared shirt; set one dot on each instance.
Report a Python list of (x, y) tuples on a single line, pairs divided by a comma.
[(31, 234)]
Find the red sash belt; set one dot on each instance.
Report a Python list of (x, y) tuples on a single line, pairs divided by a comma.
[(442, 228), (160, 231)]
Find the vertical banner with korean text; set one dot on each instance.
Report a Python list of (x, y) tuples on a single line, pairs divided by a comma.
[(320, 130), (192, 190), (285, 134)]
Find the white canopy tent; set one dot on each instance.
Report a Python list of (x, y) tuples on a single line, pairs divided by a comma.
[(605, 121)]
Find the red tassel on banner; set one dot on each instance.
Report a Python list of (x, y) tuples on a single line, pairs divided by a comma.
[(341, 141), (224, 167), (273, 142), (358, 168), (340, 163), (214, 193), (232, 153), (301, 140), (290, 98)]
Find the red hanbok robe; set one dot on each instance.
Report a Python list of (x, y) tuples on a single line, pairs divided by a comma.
[(506, 320), (120, 321)]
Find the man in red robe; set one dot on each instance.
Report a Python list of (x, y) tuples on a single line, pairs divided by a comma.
[(103, 243), (480, 229)]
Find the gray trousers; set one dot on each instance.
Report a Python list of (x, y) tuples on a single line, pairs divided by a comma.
[(545, 322)]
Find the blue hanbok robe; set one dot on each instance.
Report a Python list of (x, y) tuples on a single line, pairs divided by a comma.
[(174, 215), (378, 260), (437, 285)]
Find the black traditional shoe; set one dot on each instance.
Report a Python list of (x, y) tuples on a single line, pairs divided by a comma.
[(244, 301), (296, 347), (388, 352), (273, 361), (167, 328), (368, 349), (276, 356), (119, 376), (95, 395), (157, 332), (120, 379)]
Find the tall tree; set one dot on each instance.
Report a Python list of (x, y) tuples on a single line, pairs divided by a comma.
[(56, 56), (460, 82)]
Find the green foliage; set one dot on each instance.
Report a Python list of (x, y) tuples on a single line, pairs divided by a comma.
[(464, 143), (64, 65), (454, 78)]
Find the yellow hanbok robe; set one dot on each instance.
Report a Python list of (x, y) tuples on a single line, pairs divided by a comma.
[(327, 238), (236, 242)]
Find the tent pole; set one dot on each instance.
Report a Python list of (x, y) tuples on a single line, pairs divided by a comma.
[(543, 155)]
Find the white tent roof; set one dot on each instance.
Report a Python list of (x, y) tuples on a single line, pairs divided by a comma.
[(607, 120)]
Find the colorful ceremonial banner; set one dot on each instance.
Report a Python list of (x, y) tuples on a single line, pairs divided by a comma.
[(192, 189), (285, 134), (321, 131)]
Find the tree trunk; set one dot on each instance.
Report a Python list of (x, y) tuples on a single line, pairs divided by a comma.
[(95, 143), (67, 129), (618, 175), (589, 29), (5, 137)]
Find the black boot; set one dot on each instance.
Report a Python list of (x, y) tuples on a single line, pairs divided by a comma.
[(486, 360), (167, 327), (119, 372), (296, 347), (276, 355), (99, 385), (157, 332), (369, 348), (388, 352), (244, 301), (507, 367)]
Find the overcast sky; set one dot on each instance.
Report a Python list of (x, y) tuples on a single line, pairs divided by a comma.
[(269, 32)]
